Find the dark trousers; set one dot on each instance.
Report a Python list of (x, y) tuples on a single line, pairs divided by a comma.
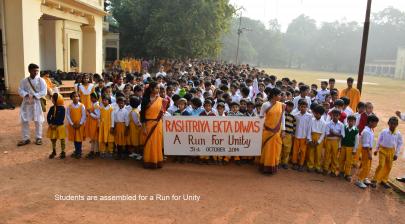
[(78, 148)]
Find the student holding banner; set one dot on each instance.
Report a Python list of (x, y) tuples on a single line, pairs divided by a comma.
[(273, 112), (151, 118)]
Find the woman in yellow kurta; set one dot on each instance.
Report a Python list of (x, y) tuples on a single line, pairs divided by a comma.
[(151, 118), (273, 112), (85, 89), (76, 116)]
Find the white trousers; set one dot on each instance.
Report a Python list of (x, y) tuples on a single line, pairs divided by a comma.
[(26, 130)]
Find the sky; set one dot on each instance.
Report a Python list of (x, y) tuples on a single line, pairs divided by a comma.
[(320, 10)]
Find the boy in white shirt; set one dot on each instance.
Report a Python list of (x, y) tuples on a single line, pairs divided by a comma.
[(316, 134), (303, 121), (388, 147), (334, 133), (304, 90), (367, 141)]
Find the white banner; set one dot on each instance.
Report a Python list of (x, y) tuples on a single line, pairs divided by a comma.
[(214, 136)]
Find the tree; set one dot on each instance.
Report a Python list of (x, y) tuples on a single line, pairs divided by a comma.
[(299, 40), (176, 28)]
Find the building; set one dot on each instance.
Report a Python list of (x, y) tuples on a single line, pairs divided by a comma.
[(381, 68), (111, 45), (400, 64), (62, 35), (389, 68)]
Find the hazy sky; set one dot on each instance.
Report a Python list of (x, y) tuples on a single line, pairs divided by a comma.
[(320, 10)]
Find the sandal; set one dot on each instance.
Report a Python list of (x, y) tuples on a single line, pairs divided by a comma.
[(38, 141), (23, 142)]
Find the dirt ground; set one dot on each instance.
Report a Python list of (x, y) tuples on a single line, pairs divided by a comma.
[(30, 183)]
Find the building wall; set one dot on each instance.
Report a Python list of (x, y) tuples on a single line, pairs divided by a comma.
[(30, 39), (400, 65)]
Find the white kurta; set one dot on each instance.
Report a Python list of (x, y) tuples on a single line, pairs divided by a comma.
[(31, 109)]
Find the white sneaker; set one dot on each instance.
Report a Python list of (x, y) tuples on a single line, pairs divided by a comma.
[(366, 182), (133, 155), (361, 185), (139, 158)]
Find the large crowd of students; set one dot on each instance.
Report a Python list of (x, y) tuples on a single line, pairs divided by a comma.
[(306, 127)]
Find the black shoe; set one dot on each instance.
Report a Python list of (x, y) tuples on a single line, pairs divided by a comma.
[(91, 155), (373, 184), (348, 178), (284, 166), (62, 155), (301, 168), (401, 179), (78, 156), (295, 167), (52, 155), (385, 185)]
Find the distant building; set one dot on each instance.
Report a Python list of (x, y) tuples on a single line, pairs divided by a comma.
[(400, 64), (381, 68), (111, 45), (388, 68)]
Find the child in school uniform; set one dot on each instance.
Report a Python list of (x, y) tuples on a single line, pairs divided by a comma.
[(56, 127), (288, 134), (135, 126), (105, 134), (388, 148), (367, 142), (207, 112), (349, 147), (182, 106), (91, 126), (303, 121), (221, 109), (335, 131), (76, 117), (120, 127), (250, 112), (235, 112), (316, 134)]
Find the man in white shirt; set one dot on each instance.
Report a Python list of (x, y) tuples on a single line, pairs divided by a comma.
[(32, 89), (303, 95), (145, 74), (161, 72), (320, 96)]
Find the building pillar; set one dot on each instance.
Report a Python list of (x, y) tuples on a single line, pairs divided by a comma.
[(22, 40), (93, 47)]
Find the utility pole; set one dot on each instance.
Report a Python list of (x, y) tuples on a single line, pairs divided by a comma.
[(239, 33), (364, 47)]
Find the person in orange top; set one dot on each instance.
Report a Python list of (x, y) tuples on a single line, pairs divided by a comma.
[(76, 117), (352, 93)]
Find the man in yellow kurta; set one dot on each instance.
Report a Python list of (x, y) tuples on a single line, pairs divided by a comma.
[(352, 93)]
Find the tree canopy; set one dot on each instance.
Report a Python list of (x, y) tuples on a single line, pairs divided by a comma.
[(173, 29), (331, 46)]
